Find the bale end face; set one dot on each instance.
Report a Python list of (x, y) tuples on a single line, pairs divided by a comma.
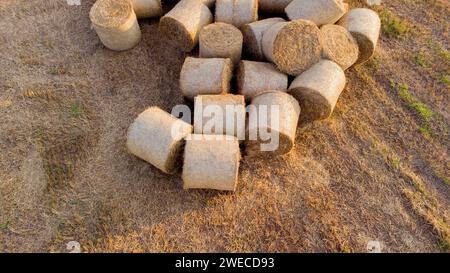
[(176, 33), (297, 46), (366, 47), (314, 106), (221, 40), (339, 45), (252, 43), (112, 14)]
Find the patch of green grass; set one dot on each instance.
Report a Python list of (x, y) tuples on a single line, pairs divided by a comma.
[(446, 181), (393, 26), (420, 59), (403, 92), (5, 225), (443, 78), (395, 162), (425, 113), (423, 110), (77, 110), (444, 244)]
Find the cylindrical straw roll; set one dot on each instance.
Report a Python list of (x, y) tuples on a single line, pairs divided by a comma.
[(211, 162), (221, 40), (157, 137), (201, 76), (281, 122), (318, 89), (254, 78), (183, 23), (236, 12), (293, 46), (220, 115), (320, 12), (364, 25), (339, 45), (253, 33), (147, 8), (116, 24), (273, 6)]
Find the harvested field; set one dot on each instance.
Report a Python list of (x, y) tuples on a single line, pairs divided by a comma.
[(377, 170)]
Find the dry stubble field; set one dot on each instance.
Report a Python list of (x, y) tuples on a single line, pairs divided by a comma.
[(379, 169)]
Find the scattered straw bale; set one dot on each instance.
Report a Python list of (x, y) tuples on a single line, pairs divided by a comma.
[(320, 12), (116, 24), (147, 8), (211, 162), (200, 76), (220, 115), (157, 137), (236, 12), (273, 6), (281, 123), (183, 23), (254, 78), (364, 25), (253, 33), (339, 45), (293, 46), (221, 40), (318, 89)]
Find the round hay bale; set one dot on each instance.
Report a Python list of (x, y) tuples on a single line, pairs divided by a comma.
[(147, 8), (283, 124), (320, 12), (318, 89), (226, 111), (364, 25), (211, 162), (183, 23), (157, 137), (254, 78), (253, 33), (339, 45), (221, 40), (201, 76), (236, 12), (116, 24), (293, 46), (273, 6)]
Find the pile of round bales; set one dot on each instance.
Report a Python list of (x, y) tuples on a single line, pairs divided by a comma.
[(314, 42)]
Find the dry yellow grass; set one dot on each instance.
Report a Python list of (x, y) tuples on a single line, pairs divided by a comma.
[(367, 173)]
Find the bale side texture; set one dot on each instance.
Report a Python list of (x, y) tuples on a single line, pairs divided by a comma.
[(236, 12), (147, 8), (253, 33), (320, 12), (211, 162), (318, 89), (254, 78), (200, 76), (288, 116), (184, 22), (273, 6), (227, 111), (157, 137)]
